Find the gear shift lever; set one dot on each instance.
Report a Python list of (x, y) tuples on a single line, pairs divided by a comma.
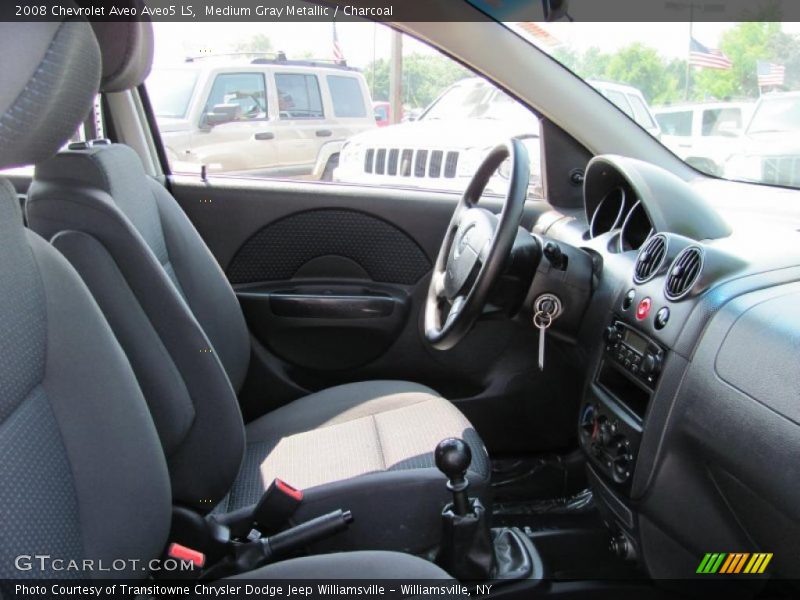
[(453, 458), (466, 551)]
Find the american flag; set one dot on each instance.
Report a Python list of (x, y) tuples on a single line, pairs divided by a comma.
[(709, 58), (338, 55), (770, 73)]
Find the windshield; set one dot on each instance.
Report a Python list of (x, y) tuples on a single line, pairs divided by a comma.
[(462, 101), (170, 91), (701, 79), (776, 115), (477, 99)]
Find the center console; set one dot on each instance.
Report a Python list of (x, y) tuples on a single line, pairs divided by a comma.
[(611, 422), (612, 414)]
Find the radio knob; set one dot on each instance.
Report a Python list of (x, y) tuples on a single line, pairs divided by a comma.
[(651, 364), (613, 334)]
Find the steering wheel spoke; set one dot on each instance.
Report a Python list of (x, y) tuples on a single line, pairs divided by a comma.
[(455, 309), (475, 248)]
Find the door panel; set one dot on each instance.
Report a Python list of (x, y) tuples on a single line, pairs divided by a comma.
[(332, 280)]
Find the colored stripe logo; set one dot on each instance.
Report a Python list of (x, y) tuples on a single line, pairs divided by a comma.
[(734, 563)]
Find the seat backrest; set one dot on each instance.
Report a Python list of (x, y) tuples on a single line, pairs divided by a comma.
[(144, 263), (163, 293), (82, 473)]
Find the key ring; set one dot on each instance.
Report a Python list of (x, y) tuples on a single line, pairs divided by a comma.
[(539, 319)]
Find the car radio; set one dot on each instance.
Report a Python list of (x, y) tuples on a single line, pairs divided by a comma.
[(638, 355)]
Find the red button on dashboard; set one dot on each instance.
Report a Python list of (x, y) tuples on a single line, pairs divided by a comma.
[(643, 309)]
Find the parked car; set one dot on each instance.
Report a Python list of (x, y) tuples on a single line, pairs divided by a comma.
[(383, 113), (442, 149), (701, 134), (769, 151), (629, 100), (265, 116)]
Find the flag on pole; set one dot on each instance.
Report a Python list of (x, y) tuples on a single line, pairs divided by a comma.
[(708, 58), (770, 73), (338, 55)]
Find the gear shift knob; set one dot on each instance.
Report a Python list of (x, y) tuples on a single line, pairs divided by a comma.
[(453, 458)]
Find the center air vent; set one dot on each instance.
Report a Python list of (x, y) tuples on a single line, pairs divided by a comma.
[(684, 272), (650, 259)]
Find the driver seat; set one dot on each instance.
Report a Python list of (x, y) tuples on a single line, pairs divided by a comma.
[(367, 447)]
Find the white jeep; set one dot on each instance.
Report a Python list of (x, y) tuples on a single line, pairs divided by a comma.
[(263, 116), (442, 149)]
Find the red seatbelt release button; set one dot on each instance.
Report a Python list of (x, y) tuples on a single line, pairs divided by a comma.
[(289, 490), (179, 552)]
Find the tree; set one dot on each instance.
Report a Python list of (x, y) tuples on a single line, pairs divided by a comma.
[(424, 78), (256, 44), (638, 65), (642, 67), (745, 44)]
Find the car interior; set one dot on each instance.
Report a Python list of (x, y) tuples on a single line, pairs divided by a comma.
[(574, 396)]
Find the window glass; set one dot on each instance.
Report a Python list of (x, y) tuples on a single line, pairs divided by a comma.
[(717, 121), (676, 123), (170, 91), (640, 112), (621, 101), (348, 101), (243, 96), (298, 96), (305, 113), (724, 72), (776, 115)]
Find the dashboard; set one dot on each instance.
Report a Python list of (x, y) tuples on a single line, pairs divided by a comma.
[(692, 336)]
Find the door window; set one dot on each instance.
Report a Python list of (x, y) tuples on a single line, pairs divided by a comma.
[(640, 112), (676, 123), (298, 96), (242, 95), (719, 121), (348, 101), (619, 99)]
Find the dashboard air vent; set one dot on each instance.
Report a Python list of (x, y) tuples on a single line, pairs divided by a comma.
[(650, 258), (684, 272)]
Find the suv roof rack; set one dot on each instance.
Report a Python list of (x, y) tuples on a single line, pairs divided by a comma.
[(279, 58)]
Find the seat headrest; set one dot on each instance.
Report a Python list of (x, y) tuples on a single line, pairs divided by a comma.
[(127, 52), (49, 75)]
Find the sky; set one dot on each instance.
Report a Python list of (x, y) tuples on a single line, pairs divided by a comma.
[(364, 41)]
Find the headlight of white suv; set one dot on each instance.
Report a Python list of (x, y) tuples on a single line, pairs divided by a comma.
[(743, 167), (350, 156)]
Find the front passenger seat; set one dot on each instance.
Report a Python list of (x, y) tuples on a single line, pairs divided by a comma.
[(367, 447), (82, 472)]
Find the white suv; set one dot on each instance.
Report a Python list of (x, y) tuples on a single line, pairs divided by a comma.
[(265, 116), (629, 100), (702, 134), (442, 149)]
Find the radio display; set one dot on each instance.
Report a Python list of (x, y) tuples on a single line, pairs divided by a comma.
[(636, 342)]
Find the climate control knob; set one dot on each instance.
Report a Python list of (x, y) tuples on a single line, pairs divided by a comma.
[(622, 461), (651, 364)]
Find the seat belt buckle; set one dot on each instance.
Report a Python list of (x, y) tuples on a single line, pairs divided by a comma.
[(276, 506)]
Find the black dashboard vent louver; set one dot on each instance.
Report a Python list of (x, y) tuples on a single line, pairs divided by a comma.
[(650, 259), (684, 272)]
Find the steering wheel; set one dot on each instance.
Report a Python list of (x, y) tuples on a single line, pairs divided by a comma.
[(475, 249)]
